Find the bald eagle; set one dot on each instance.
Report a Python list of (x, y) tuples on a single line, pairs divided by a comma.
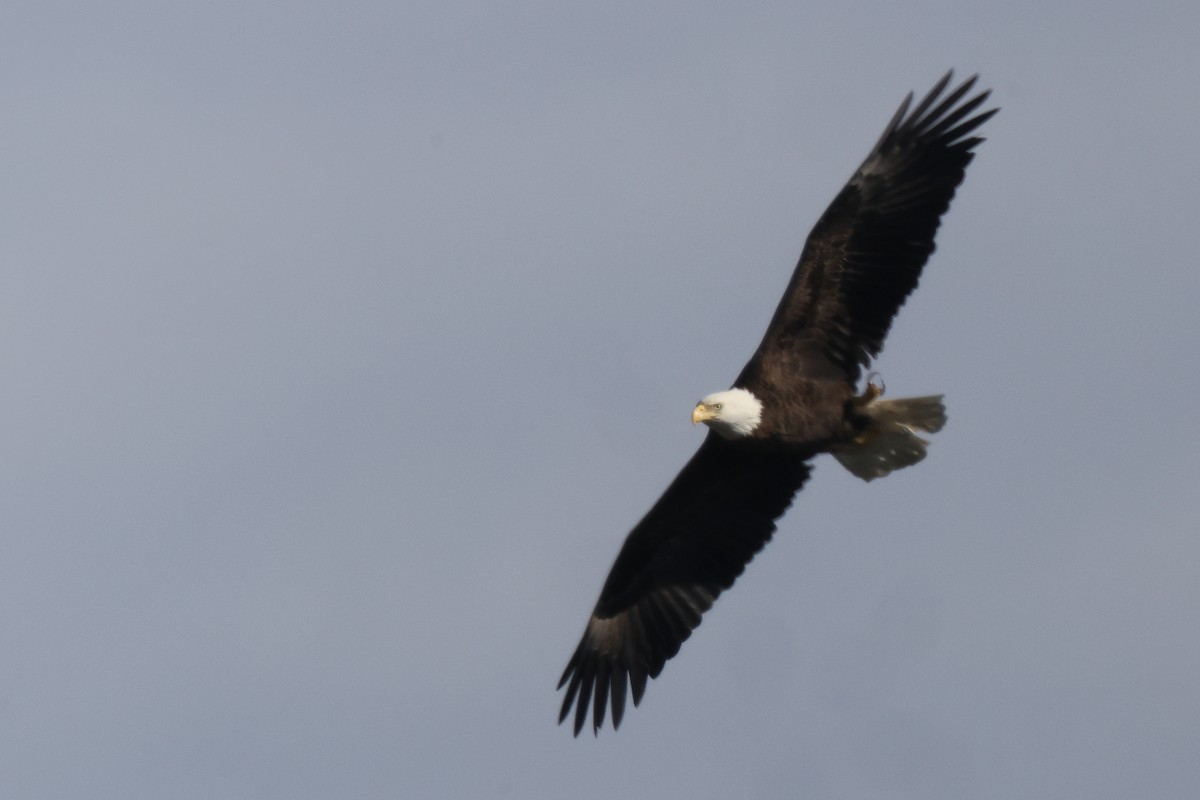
[(796, 397)]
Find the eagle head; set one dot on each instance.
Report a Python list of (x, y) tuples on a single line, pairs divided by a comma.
[(733, 414)]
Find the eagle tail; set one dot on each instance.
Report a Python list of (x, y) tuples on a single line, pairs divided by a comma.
[(889, 441)]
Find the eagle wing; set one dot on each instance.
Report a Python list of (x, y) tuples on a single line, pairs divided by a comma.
[(864, 256), (696, 540)]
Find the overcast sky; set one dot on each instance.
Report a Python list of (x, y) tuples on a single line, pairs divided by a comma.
[(342, 343)]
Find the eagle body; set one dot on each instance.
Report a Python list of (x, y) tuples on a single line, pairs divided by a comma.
[(796, 397), (806, 416)]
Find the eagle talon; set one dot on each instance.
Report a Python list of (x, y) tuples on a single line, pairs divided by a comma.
[(874, 389)]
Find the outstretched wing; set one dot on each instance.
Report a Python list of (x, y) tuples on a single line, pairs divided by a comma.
[(717, 513), (865, 254)]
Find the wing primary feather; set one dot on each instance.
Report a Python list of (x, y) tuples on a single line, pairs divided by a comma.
[(890, 128), (942, 107), (569, 671), (967, 127), (930, 98), (637, 684), (600, 698), (619, 678), (572, 688), (944, 124), (587, 679)]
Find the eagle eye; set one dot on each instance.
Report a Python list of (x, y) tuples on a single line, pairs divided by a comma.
[(716, 406)]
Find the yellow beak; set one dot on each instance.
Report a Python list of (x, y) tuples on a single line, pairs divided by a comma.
[(701, 413)]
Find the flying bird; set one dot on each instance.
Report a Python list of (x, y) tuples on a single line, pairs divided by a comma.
[(796, 397)]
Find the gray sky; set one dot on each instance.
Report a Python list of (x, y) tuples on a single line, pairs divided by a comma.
[(342, 344)]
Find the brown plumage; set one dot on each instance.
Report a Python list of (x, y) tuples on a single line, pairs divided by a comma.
[(796, 397)]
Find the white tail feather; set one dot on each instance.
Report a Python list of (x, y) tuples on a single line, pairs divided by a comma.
[(890, 442)]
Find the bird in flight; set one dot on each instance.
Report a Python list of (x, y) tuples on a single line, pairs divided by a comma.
[(796, 397)]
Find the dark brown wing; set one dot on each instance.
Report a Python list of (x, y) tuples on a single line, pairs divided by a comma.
[(717, 513), (865, 254)]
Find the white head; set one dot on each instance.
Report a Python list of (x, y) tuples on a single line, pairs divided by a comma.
[(733, 414)]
